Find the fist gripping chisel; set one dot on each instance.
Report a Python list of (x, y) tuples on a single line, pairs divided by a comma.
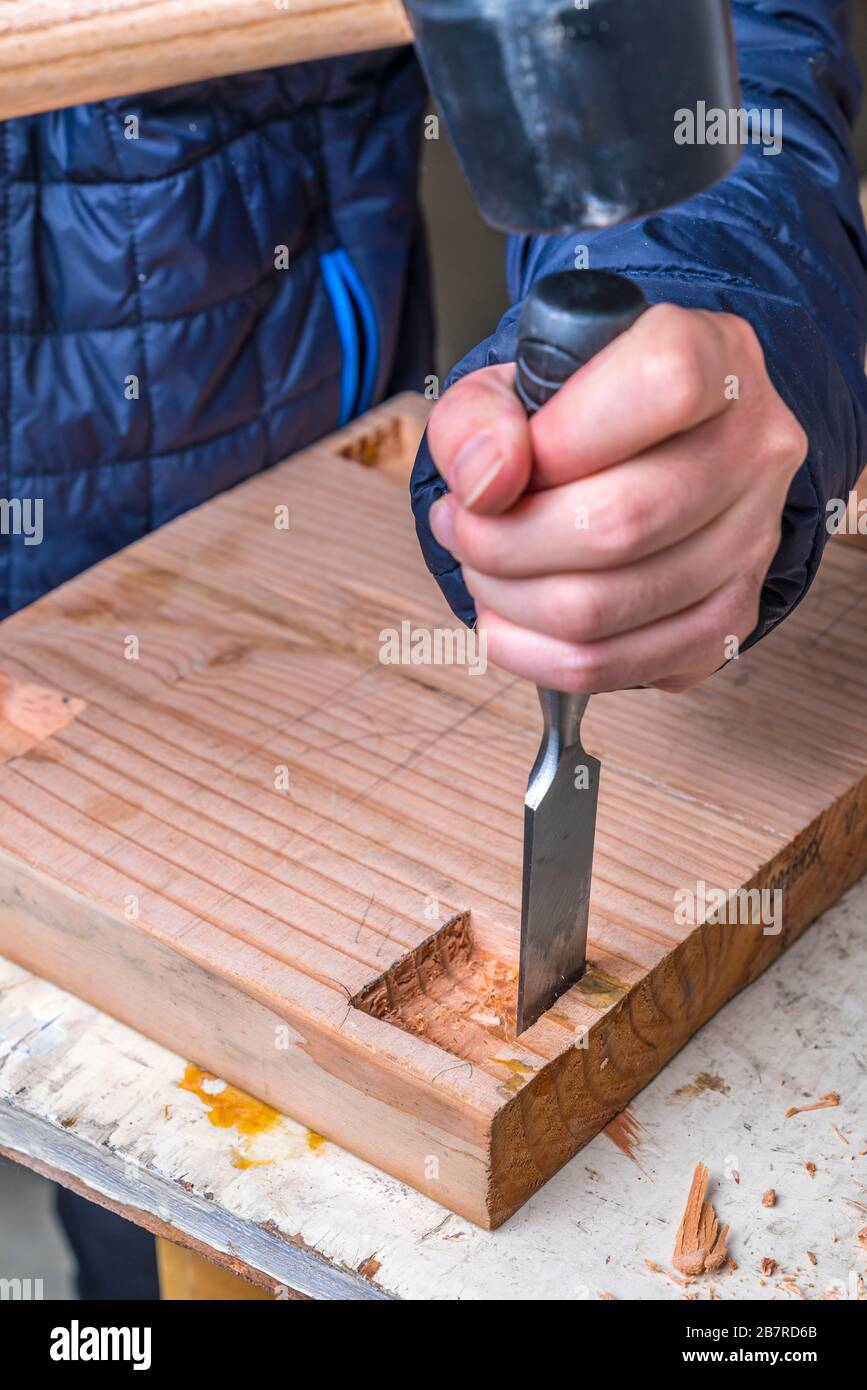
[(567, 318), (563, 115)]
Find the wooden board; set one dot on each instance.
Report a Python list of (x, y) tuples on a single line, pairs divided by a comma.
[(56, 53), (300, 866)]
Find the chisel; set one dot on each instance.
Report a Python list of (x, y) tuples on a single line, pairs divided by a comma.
[(565, 116), (566, 319)]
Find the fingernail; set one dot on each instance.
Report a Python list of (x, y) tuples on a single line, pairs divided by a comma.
[(441, 521), (475, 467)]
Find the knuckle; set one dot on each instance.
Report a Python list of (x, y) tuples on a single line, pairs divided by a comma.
[(578, 610), (744, 340), (584, 669), (768, 545), (676, 381), (740, 606), (626, 524), (784, 442)]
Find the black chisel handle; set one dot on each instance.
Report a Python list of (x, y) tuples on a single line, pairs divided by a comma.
[(567, 318)]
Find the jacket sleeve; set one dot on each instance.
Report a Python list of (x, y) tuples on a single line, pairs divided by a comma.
[(781, 242)]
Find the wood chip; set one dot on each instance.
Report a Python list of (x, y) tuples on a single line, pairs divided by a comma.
[(825, 1102), (790, 1287), (862, 1237), (811, 1169), (769, 1198), (768, 1266), (609, 1297), (700, 1244), (811, 1257)]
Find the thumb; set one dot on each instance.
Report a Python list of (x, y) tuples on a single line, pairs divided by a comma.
[(480, 440)]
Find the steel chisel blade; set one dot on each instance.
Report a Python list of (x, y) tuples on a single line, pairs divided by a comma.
[(559, 831)]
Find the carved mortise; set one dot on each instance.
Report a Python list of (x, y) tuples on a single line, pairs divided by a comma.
[(450, 991)]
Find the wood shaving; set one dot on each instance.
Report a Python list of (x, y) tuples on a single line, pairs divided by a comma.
[(788, 1286), (769, 1198), (839, 1135), (862, 1237), (811, 1169), (768, 1267), (609, 1297), (825, 1102), (811, 1257), (658, 1269), (700, 1244)]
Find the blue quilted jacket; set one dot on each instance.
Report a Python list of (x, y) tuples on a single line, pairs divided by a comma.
[(194, 283), (781, 242)]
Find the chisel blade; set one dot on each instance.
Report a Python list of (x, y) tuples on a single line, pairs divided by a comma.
[(559, 831)]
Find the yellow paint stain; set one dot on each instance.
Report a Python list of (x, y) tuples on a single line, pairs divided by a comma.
[(228, 1108), (240, 1159), (518, 1070), (514, 1065), (599, 990), (315, 1141)]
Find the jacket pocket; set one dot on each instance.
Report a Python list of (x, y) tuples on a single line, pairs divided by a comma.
[(355, 317)]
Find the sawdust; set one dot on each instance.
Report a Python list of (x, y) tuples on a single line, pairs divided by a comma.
[(700, 1244), (369, 1268), (675, 1279), (449, 991), (705, 1081)]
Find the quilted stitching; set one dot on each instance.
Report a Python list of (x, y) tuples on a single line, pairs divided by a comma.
[(154, 258)]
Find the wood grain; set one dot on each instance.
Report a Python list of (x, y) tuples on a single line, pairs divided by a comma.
[(300, 866), (56, 53)]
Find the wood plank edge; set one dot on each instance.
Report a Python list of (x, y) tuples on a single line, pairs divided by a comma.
[(570, 1100)]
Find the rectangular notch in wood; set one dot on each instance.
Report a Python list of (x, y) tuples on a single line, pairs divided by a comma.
[(451, 992)]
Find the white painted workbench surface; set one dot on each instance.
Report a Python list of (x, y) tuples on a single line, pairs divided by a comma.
[(87, 1096)]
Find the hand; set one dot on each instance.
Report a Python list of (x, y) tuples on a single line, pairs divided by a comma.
[(622, 536)]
